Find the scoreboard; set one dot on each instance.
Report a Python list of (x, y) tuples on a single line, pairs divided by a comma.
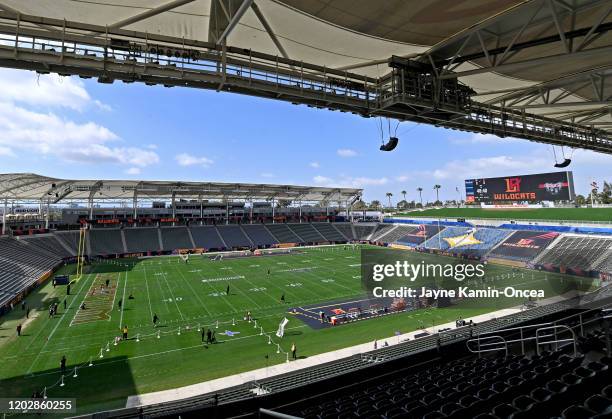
[(557, 186)]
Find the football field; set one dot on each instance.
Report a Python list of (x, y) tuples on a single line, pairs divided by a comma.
[(189, 297)]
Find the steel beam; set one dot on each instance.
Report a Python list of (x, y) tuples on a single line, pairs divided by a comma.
[(246, 4)]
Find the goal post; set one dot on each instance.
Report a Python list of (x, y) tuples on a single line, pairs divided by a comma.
[(81, 252)]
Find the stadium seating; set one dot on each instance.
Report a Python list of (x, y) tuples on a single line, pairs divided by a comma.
[(233, 236), (106, 241), (550, 384), (575, 252), (329, 232), (523, 245), (605, 263), (175, 238), (307, 232), (259, 234), (347, 230), (364, 231), (143, 239), (420, 234), (48, 243), (70, 239), (206, 237), (392, 235), (21, 265), (380, 230), (283, 234)]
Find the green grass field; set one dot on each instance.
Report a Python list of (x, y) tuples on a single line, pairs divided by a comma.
[(185, 296), (574, 214)]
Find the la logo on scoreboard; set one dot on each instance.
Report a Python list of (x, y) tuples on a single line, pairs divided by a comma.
[(513, 184)]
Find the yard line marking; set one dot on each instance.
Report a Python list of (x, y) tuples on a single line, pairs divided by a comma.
[(122, 301), (55, 328), (147, 286), (193, 291), (114, 297), (173, 298)]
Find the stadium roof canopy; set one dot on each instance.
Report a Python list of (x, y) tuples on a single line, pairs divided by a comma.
[(32, 187), (537, 69)]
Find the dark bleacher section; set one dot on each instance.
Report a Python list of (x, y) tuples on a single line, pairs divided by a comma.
[(47, 243), (575, 252), (546, 385), (70, 239), (346, 229), (523, 245), (141, 239), (233, 236), (283, 234), (206, 237), (362, 232), (21, 265), (419, 234), (259, 234), (175, 238), (307, 232), (392, 235), (328, 231), (106, 241)]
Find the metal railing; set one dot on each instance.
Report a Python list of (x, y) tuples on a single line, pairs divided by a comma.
[(555, 339)]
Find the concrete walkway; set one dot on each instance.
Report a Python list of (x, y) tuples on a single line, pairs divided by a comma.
[(263, 373)]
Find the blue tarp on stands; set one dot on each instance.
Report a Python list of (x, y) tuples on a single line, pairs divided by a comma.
[(510, 226)]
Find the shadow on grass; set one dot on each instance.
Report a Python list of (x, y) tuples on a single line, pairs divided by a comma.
[(104, 385)]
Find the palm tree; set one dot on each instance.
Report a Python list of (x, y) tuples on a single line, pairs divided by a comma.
[(420, 190), (437, 189), (375, 204), (389, 195), (404, 193)]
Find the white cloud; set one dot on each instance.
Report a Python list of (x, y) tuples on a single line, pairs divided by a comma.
[(350, 181), (346, 152), (322, 180), (267, 175), (102, 106), (489, 167), (476, 138), (152, 146), (49, 134), (185, 159), (403, 178), (314, 164), (49, 90), (133, 171)]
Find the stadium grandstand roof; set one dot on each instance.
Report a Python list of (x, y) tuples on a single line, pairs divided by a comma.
[(29, 186), (537, 69)]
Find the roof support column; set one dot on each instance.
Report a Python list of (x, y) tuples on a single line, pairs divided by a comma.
[(4, 216), (251, 212), (227, 212), (48, 214), (91, 204), (173, 207), (273, 220), (135, 205), (300, 211)]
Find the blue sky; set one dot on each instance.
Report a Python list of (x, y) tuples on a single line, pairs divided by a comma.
[(73, 128)]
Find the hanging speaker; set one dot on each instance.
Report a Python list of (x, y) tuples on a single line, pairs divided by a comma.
[(390, 145), (564, 163)]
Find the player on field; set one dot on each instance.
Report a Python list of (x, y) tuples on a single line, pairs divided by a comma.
[(227, 291), (282, 299), (155, 319)]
